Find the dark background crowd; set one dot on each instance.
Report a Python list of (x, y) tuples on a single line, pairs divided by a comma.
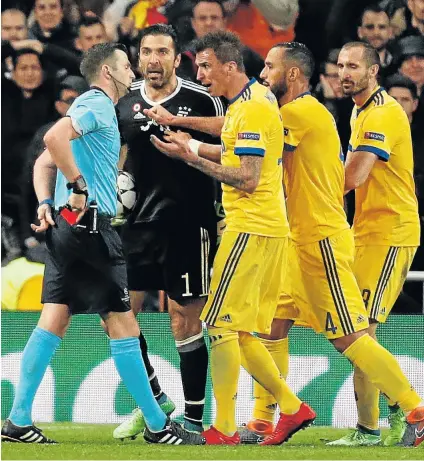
[(43, 42)]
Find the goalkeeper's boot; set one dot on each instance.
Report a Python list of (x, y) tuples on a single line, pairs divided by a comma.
[(255, 431), (136, 424), (23, 434), (414, 433), (193, 426), (173, 434), (288, 425), (397, 424), (357, 438), (215, 437)]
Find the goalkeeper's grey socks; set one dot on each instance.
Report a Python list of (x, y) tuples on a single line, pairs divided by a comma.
[(194, 368)]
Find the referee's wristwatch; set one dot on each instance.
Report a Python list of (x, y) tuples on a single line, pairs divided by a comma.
[(78, 186)]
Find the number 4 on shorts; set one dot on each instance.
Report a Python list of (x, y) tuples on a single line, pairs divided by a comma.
[(329, 324)]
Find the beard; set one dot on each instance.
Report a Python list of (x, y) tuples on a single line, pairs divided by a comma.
[(356, 88), (279, 89)]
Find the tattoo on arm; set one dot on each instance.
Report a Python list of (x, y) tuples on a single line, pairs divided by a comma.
[(245, 178)]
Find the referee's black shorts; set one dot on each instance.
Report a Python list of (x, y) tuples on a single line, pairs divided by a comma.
[(85, 271)]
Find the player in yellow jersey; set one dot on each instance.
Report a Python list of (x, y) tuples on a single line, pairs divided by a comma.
[(251, 260), (314, 183), (379, 166)]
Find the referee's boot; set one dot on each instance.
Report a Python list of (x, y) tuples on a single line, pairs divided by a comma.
[(135, 424), (23, 434), (173, 434)]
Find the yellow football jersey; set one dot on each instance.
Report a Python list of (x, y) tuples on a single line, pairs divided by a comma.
[(386, 209), (253, 126), (313, 171)]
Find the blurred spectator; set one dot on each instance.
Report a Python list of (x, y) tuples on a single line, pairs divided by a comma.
[(13, 28), (410, 60), (209, 16), (68, 90), (57, 60), (281, 13), (179, 14), (329, 92), (254, 30), (343, 19), (376, 30), (91, 31), (13, 25), (26, 104), (144, 13), (396, 12), (112, 16), (404, 90), (415, 18), (50, 25), (138, 15)]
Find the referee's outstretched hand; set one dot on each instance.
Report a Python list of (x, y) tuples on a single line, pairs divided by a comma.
[(44, 214)]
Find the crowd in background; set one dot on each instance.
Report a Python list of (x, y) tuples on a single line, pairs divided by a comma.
[(43, 43)]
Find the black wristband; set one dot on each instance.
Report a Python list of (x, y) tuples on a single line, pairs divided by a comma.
[(79, 186)]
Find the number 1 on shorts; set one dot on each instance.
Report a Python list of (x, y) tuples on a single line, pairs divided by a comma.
[(187, 285)]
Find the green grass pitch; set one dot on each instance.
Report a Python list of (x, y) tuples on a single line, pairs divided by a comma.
[(87, 441)]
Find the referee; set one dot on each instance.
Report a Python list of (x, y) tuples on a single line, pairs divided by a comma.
[(85, 269)]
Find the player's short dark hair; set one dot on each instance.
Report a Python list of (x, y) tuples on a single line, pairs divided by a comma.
[(219, 2), (226, 46), (96, 56), (18, 53), (161, 29), (88, 21), (401, 81), (301, 55), (369, 52), (373, 9)]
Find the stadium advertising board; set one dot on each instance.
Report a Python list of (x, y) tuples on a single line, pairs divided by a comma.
[(82, 385)]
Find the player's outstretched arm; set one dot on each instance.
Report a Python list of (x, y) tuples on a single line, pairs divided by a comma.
[(245, 178), (209, 125), (178, 142)]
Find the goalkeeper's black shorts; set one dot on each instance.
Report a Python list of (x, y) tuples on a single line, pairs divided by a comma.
[(175, 257)]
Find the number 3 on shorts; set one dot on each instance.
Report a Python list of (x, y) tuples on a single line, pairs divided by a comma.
[(329, 324)]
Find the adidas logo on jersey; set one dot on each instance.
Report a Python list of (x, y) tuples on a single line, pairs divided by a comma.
[(226, 318), (139, 116), (360, 319), (383, 311)]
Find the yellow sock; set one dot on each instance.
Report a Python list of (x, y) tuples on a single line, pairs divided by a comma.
[(260, 365), (367, 400), (383, 371), (265, 404), (225, 364)]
